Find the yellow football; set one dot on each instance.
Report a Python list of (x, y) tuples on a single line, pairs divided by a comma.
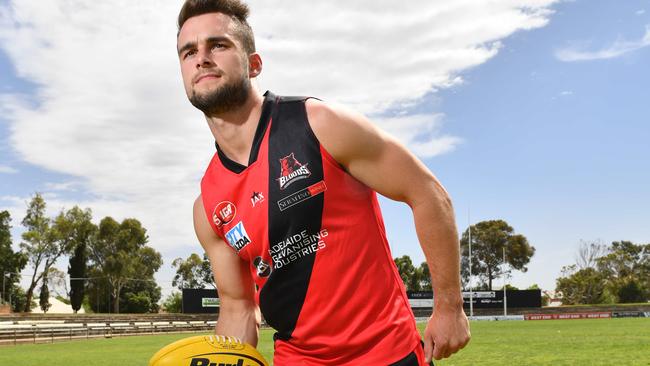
[(208, 351)]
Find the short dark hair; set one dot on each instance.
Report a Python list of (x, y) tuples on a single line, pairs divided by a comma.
[(235, 9)]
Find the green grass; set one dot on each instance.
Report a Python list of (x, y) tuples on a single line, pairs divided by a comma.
[(558, 342), (549, 342)]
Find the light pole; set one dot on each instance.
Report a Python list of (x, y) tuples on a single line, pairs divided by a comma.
[(469, 242), (505, 298), (4, 275)]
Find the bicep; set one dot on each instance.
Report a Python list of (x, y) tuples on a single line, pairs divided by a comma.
[(231, 274), (372, 156)]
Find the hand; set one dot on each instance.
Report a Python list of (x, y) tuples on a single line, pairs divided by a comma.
[(446, 333)]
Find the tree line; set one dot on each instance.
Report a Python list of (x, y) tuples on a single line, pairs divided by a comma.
[(618, 273), (615, 273), (110, 265)]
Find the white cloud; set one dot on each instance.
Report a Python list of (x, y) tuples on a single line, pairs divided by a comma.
[(371, 54), (640, 12), (421, 133), (566, 93), (72, 186), (110, 110), (618, 48), (4, 169)]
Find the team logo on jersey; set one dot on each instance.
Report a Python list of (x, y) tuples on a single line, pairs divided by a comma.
[(237, 237), (256, 198), (263, 268), (291, 170), (223, 213), (302, 195)]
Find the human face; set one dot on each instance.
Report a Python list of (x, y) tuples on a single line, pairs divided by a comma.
[(214, 66)]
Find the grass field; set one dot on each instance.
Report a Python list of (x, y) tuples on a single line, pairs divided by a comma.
[(549, 342)]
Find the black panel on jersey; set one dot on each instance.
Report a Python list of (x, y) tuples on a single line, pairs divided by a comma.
[(410, 360), (283, 295), (268, 105)]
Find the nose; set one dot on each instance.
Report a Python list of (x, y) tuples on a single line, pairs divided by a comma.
[(204, 59)]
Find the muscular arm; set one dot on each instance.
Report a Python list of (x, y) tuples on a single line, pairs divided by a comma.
[(383, 164), (239, 316)]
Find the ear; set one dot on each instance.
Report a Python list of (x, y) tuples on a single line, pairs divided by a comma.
[(254, 65)]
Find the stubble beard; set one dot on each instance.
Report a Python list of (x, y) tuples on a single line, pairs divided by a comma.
[(225, 98)]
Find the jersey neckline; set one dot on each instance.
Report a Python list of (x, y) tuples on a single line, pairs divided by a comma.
[(268, 106)]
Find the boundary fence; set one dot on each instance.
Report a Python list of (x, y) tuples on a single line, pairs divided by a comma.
[(588, 315), (53, 331), (18, 331)]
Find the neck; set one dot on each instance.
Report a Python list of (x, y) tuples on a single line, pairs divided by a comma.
[(234, 130)]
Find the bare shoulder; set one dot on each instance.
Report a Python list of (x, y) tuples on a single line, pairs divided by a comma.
[(198, 203), (344, 133), (327, 116), (202, 227), (198, 210)]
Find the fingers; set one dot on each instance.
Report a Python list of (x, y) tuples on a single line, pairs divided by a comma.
[(445, 335), (226, 339), (428, 348), (443, 348), (440, 350)]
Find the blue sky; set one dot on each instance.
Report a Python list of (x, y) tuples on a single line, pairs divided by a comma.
[(539, 119), (557, 149)]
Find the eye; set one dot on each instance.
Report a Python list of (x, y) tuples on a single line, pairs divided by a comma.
[(218, 46), (188, 54)]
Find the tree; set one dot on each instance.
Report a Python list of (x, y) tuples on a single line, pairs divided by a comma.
[(77, 271), (19, 299), (173, 303), (630, 292), (489, 238), (11, 263), (626, 266), (75, 227), (136, 296), (140, 296), (415, 279), (581, 286), (425, 282), (44, 297), (40, 244), (57, 281), (406, 270), (120, 254), (589, 252), (206, 272), (509, 287), (98, 291), (192, 272)]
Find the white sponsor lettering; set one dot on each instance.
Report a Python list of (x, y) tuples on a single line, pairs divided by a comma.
[(297, 246)]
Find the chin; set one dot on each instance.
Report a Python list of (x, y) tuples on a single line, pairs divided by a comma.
[(205, 90)]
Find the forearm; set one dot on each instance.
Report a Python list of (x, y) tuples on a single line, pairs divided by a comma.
[(239, 318), (436, 229)]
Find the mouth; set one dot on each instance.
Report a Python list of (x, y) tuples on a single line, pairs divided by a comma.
[(202, 77)]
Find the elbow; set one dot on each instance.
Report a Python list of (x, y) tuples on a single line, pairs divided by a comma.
[(441, 195), (431, 194)]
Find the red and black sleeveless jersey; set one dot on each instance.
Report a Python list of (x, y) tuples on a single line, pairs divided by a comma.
[(315, 243)]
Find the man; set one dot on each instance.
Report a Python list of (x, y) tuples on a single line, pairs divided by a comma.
[(289, 217)]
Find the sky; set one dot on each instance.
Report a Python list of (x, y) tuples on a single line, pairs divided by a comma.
[(531, 111)]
